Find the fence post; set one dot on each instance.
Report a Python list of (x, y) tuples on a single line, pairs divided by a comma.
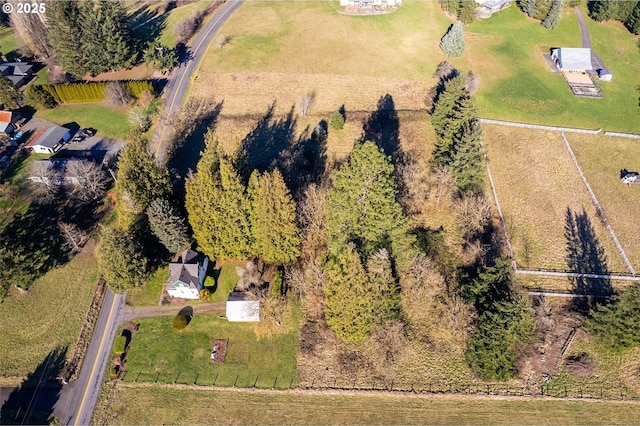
[(565, 391), (488, 389), (195, 381), (601, 397), (429, 387), (274, 383), (215, 380), (156, 379), (334, 382), (392, 386), (312, 382), (507, 390), (354, 384), (176, 379), (542, 389), (138, 376), (291, 384), (580, 391), (255, 382), (236, 381)]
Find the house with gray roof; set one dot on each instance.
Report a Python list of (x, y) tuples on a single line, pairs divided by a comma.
[(18, 73), (187, 274), (572, 59), (49, 140)]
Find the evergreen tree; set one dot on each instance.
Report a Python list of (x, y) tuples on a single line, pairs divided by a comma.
[(10, 96), (383, 287), (452, 43), (65, 34), (633, 22), (168, 225), (604, 10), (161, 57), (273, 218), (117, 44), (140, 181), (39, 97), (122, 263), (468, 161), (531, 8), (91, 17), (218, 206), (362, 207), (553, 17), (450, 6), (617, 325), (467, 11)]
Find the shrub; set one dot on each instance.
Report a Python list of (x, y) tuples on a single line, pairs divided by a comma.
[(180, 322), (39, 97), (120, 345), (276, 285), (452, 43), (204, 295), (209, 282), (337, 120), (93, 91)]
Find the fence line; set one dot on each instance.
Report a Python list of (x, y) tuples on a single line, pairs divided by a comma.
[(539, 126), (622, 135), (504, 223), (551, 273), (546, 389), (599, 208)]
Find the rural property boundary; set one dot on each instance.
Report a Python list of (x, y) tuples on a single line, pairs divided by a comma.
[(539, 126)]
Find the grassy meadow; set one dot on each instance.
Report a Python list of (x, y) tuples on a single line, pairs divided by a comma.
[(110, 122), (536, 182), (158, 348), (154, 404), (50, 315), (516, 83)]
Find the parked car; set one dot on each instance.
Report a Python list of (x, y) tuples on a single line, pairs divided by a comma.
[(87, 132), (77, 138)]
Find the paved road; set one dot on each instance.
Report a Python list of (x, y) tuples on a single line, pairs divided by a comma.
[(596, 62), (177, 86)]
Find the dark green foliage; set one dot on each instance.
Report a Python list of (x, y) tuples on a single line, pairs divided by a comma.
[(553, 17), (39, 97), (504, 320), (276, 285), (93, 91), (633, 22), (120, 345), (337, 120), (362, 207), (468, 160), (140, 181), (218, 206), (168, 225), (626, 12), (65, 35), (10, 96), (450, 6), (161, 57), (273, 219), (467, 11), (617, 325), (122, 263), (452, 43), (531, 8)]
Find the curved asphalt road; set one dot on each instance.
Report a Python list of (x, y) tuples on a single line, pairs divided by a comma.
[(596, 62), (77, 400), (177, 86)]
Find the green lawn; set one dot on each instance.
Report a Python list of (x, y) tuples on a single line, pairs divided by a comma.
[(158, 348), (50, 315), (149, 293), (8, 43), (110, 122), (142, 404), (516, 83)]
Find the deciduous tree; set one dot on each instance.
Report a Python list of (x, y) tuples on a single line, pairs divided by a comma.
[(88, 180)]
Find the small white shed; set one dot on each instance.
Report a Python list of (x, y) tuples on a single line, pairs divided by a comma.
[(239, 309)]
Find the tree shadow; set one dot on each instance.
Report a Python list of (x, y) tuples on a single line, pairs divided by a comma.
[(187, 313), (585, 255), (34, 400), (383, 126), (147, 25)]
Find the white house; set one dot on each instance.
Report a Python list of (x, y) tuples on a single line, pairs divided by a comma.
[(50, 140), (187, 274), (239, 309), (572, 59)]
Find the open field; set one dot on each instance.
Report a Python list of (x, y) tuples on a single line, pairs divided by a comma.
[(602, 158), (281, 51), (8, 43), (158, 348), (536, 183), (110, 122), (516, 83), (50, 315), (153, 404)]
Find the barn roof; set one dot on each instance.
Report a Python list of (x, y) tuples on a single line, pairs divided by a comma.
[(574, 58)]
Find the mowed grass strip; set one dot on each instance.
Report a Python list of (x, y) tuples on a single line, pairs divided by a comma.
[(50, 315), (536, 182), (155, 404), (602, 158), (516, 83), (159, 350)]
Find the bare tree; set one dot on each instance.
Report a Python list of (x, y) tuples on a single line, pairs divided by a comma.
[(87, 179), (248, 276), (45, 180), (186, 28), (139, 116), (474, 214), (31, 29), (117, 94), (311, 215), (221, 41), (414, 187), (305, 103), (443, 183), (74, 237)]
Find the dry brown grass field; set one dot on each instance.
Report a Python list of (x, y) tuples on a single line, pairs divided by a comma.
[(155, 404), (602, 158), (536, 182), (50, 315)]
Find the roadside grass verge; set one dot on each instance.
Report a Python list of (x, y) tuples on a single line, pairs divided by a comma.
[(50, 315), (110, 122), (155, 404), (516, 83), (536, 182), (8, 42), (601, 159), (159, 351), (149, 293)]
